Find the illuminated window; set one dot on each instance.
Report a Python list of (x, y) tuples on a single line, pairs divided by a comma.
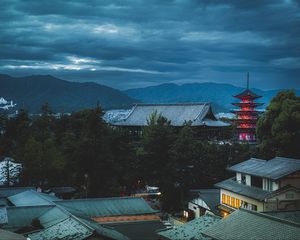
[(232, 202), (223, 198), (238, 203), (227, 199)]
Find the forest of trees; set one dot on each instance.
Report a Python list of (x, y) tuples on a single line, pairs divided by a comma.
[(82, 151)]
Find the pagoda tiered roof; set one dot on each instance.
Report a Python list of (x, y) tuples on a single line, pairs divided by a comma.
[(247, 94), (247, 104), (246, 112)]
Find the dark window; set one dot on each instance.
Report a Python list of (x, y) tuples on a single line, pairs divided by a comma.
[(256, 182), (243, 177)]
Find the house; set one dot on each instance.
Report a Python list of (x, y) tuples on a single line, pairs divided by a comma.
[(43, 216), (190, 230), (204, 201), (199, 115), (246, 224), (262, 185)]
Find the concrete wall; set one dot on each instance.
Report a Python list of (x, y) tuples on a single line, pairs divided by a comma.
[(293, 180), (289, 200)]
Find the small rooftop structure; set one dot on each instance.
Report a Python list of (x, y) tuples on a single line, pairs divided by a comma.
[(274, 169), (199, 114), (245, 224), (190, 230)]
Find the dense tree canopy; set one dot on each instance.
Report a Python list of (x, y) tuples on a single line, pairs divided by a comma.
[(279, 127), (81, 150)]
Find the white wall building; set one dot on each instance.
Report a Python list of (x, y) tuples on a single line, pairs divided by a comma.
[(262, 185)]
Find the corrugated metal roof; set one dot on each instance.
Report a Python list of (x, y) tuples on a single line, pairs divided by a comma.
[(108, 206), (275, 168), (19, 217), (244, 225), (248, 191), (68, 229), (32, 198), (190, 230), (178, 114), (6, 235), (7, 192)]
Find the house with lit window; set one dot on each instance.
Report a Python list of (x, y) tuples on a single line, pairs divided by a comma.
[(262, 185), (203, 202)]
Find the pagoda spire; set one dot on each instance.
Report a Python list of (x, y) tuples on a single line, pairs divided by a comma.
[(247, 80)]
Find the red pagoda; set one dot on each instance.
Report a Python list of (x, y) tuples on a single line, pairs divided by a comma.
[(246, 116)]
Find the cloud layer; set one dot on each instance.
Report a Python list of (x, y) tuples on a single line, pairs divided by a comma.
[(127, 44)]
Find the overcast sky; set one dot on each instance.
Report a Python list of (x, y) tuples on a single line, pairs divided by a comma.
[(129, 44)]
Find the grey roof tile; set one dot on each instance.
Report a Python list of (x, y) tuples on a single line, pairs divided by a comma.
[(246, 225), (198, 113), (68, 229), (293, 216), (275, 168), (252, 192), (190, 230)]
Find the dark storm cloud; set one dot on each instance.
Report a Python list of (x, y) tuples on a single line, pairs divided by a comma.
[(128, 44)]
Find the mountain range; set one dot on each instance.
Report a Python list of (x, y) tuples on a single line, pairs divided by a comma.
[(32, 92), (220, 95)]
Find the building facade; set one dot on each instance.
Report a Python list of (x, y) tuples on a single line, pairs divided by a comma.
[(199, 116), (262, 185)]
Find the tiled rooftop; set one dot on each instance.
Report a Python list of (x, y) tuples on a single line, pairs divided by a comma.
[(275, 168), (244, 225), (248, 191)]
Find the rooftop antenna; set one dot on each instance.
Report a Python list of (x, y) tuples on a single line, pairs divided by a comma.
[(247, 80)]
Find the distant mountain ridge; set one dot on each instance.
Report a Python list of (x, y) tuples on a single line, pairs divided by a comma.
[(220, 95), (32, 92)]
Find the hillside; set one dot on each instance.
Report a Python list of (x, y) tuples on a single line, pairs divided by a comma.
[(33, 91), (219, 94)]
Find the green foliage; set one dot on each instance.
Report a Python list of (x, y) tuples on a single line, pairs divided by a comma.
[(83, 151), (279, 127)]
